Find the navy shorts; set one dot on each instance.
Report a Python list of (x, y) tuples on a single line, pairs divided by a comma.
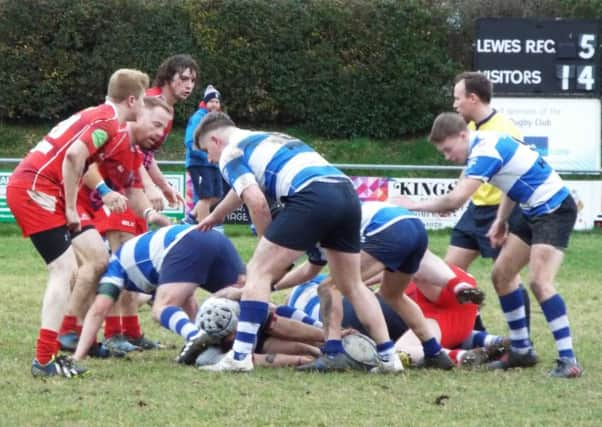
[(471, 230), (551, 229), (207, 258), (395, 324), (207, 182), (400, 247), (324, 212)]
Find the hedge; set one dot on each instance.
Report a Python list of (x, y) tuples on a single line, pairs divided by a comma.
[(379, 68)]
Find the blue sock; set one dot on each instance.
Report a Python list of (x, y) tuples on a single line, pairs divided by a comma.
[(252, 315), (514, 311), (386, 350), (431, 347), (298, 315), (174, 319), (332, 347), (555, 311)]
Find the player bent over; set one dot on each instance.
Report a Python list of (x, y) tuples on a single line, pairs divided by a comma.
[(42, 195), (320, 205), (169, 263), (537, 238)]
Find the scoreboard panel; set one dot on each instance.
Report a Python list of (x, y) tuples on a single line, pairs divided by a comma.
[(532, 56)]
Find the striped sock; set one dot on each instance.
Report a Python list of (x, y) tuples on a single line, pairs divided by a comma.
[(481, 339), (514, 312), (252, 315), (386, 350), (431, 347), (298, 315), (174, 319), (555, 311)]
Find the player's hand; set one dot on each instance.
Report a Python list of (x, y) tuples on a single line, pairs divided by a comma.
[(209, 222), (174, 198), (158, 219), (404, 202), (72, 219), (155, 197), (115, 201), (497, 233)]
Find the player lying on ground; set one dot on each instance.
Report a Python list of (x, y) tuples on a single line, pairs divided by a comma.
[(169, 263), (281, 341)]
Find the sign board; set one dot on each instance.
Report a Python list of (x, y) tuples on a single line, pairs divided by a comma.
[(523, 56), (566, 131)]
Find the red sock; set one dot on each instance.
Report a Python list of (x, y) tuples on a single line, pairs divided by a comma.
[(131, 326), (47, 345), (112, 326), (455, 355), (69, 325)]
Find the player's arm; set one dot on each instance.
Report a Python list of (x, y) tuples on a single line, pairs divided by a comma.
[(73, 169), (223, 208), (451, 201), (114, 200), (170, 193), (105, 299), (499, 228), (143, 207), (258, 207), (300, 274), (154, 195)]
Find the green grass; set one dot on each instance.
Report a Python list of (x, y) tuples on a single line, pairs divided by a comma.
[(150, 389)]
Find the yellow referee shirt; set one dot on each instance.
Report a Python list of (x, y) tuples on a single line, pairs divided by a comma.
[(487, 194)]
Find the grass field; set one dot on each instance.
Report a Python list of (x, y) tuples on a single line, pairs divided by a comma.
[(150, 389)]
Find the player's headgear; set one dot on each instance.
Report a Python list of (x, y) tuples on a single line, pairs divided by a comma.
[(218, 316), (211, 93)]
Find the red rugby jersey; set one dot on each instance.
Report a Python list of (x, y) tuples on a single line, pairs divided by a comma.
[(94, 126)]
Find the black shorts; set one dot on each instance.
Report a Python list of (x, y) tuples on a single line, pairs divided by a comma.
[(471, 230), (206, 258), (400, 246), (395, 324), (324, 212), (553, 228), (207, 182), (52, 243)]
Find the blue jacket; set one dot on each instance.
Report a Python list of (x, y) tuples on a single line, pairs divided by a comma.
[(195, 157)]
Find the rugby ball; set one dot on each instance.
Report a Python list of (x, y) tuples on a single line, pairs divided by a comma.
[(361, 350)]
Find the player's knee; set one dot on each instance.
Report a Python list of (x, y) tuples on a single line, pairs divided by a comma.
[(542, 290)]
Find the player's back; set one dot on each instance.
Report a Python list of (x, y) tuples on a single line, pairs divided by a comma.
[(95, 126), (377, 216), (281, 164)]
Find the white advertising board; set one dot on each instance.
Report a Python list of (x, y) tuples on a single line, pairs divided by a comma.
[(566, 131)]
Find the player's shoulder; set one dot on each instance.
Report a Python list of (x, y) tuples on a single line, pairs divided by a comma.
[(501, 123)]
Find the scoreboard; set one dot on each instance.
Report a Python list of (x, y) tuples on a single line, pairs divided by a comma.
[(533, 57)]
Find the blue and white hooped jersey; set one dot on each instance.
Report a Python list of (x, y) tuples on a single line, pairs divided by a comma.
[(517, 170), (135, 265), (305, 297), (376, 216), (280, 164)]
